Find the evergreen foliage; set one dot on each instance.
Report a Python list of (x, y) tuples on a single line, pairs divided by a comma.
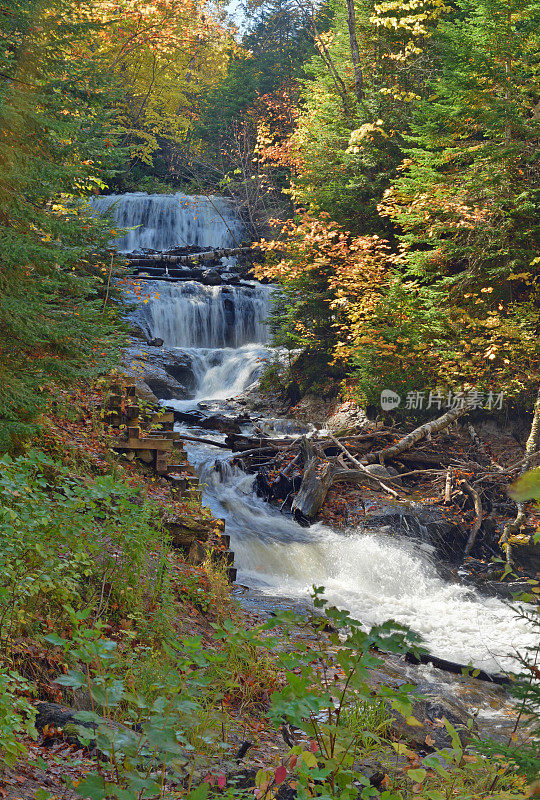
[(56, 148)]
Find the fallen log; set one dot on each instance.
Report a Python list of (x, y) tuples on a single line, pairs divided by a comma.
[(239, 443), (456, 668), (408, 441), (319, 476), (144, 259), (200, 440)]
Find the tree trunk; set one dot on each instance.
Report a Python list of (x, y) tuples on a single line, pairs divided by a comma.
[(355, 52), (414, 436), (530, 448)]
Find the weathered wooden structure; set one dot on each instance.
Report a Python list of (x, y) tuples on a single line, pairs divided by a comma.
[(149, 435)]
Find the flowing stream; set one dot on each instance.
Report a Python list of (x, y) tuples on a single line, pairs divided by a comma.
[(374, 576)]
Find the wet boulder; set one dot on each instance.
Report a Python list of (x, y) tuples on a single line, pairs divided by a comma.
[(426, 523), (431, 733), (211, 277), (163, 386), (221, 423), (168, 373)]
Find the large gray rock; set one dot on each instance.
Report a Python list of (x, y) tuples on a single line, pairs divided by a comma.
[(431, 733), (168, 373), (423, 522), (163, 386), (384, 473), (145, 393), (347, 418)]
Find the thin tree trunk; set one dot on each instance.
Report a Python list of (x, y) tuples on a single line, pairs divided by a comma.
[(355, 52), (530, 448), (326, 57), (475, 497)]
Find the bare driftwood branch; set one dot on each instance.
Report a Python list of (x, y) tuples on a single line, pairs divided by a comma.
[(475, 497), (291, 465), (513, 527), (199, 440), (362, 470), (448, 485)]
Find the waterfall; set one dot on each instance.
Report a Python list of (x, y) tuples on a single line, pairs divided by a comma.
[(164, 221), (222, 331), (188, 314)]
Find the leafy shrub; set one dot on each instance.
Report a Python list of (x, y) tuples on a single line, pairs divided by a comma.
[(65, 541), (16, 716)]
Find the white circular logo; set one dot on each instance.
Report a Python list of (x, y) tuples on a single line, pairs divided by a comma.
[(389, 400)]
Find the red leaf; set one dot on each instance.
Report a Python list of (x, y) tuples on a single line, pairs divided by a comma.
[(221, 781), (313, 746), (280, 774)]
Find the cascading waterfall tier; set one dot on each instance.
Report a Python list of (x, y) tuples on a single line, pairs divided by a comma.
[(189, 314), (164, 221)]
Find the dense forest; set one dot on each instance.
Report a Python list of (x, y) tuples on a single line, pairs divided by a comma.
[(368, 361)]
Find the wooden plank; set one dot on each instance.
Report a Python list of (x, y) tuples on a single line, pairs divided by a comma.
[(161, 463), (133, 413), (143, 444), (167, 416)]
